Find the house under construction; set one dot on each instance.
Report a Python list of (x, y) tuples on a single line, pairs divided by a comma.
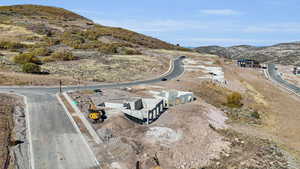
[(146, 110), (250, 63)]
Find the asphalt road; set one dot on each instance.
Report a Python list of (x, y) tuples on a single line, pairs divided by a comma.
[(175, 72), (276, 77), (55, 143)]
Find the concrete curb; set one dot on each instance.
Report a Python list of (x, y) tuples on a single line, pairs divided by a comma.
[(84, 120), (28, 131), (31, 162), (266, 74), (77, 129)]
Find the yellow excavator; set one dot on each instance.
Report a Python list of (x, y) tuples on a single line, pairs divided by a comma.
[(94, 113)]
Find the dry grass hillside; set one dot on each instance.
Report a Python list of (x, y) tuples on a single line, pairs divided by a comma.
[(39, 39)]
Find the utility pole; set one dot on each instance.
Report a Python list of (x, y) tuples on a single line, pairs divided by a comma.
[(60, 83)]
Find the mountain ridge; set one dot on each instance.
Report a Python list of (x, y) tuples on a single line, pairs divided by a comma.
[(282, 53)]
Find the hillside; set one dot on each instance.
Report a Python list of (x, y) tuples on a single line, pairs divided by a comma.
[(284, 53), (65, 25), (59, 42)]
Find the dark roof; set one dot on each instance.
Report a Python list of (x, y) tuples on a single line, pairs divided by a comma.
[(247, 60)]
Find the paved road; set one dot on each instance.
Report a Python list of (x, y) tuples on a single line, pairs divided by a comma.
[(276, 77), (55, 142), (176, 71)]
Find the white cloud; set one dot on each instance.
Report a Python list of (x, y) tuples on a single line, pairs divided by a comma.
[(219, 12), (274, 28), (197, 32), (150, 26), (232, 41), (155, 25)]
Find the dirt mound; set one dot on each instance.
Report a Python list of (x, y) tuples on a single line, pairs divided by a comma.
[(118, 124)]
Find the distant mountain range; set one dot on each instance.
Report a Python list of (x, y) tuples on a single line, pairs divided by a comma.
[(284, 53)]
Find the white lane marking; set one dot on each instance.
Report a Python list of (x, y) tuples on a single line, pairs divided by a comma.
[(32, 164), (77, 129)]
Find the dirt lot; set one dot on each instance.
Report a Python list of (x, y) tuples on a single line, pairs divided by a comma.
[(181, 137), (91, 68), (185, 136)]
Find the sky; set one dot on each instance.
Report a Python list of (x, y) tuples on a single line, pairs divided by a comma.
[(193, 23)]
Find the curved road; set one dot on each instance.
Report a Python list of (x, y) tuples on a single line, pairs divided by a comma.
[(54, 142), (274, 75)]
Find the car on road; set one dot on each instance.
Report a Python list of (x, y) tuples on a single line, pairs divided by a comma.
[(164, 79)]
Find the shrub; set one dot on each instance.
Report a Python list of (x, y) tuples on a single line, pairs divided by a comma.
[(31, 68), (131, 51), (51, 41), (184, 49), (26, 58), (11, 45), (108, 48), (91, 45), (47, 59), (217, 62), (255, 115), (72, 39), (41, 51), (64, 55), (234, 100)]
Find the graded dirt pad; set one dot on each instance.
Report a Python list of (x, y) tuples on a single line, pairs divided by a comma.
[(181, 138), (280, 121), (10, 148)]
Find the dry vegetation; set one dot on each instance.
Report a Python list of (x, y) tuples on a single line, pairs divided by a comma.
[(279, 118), (231, 102), (247, 152), (6, 127), (43, 36)]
